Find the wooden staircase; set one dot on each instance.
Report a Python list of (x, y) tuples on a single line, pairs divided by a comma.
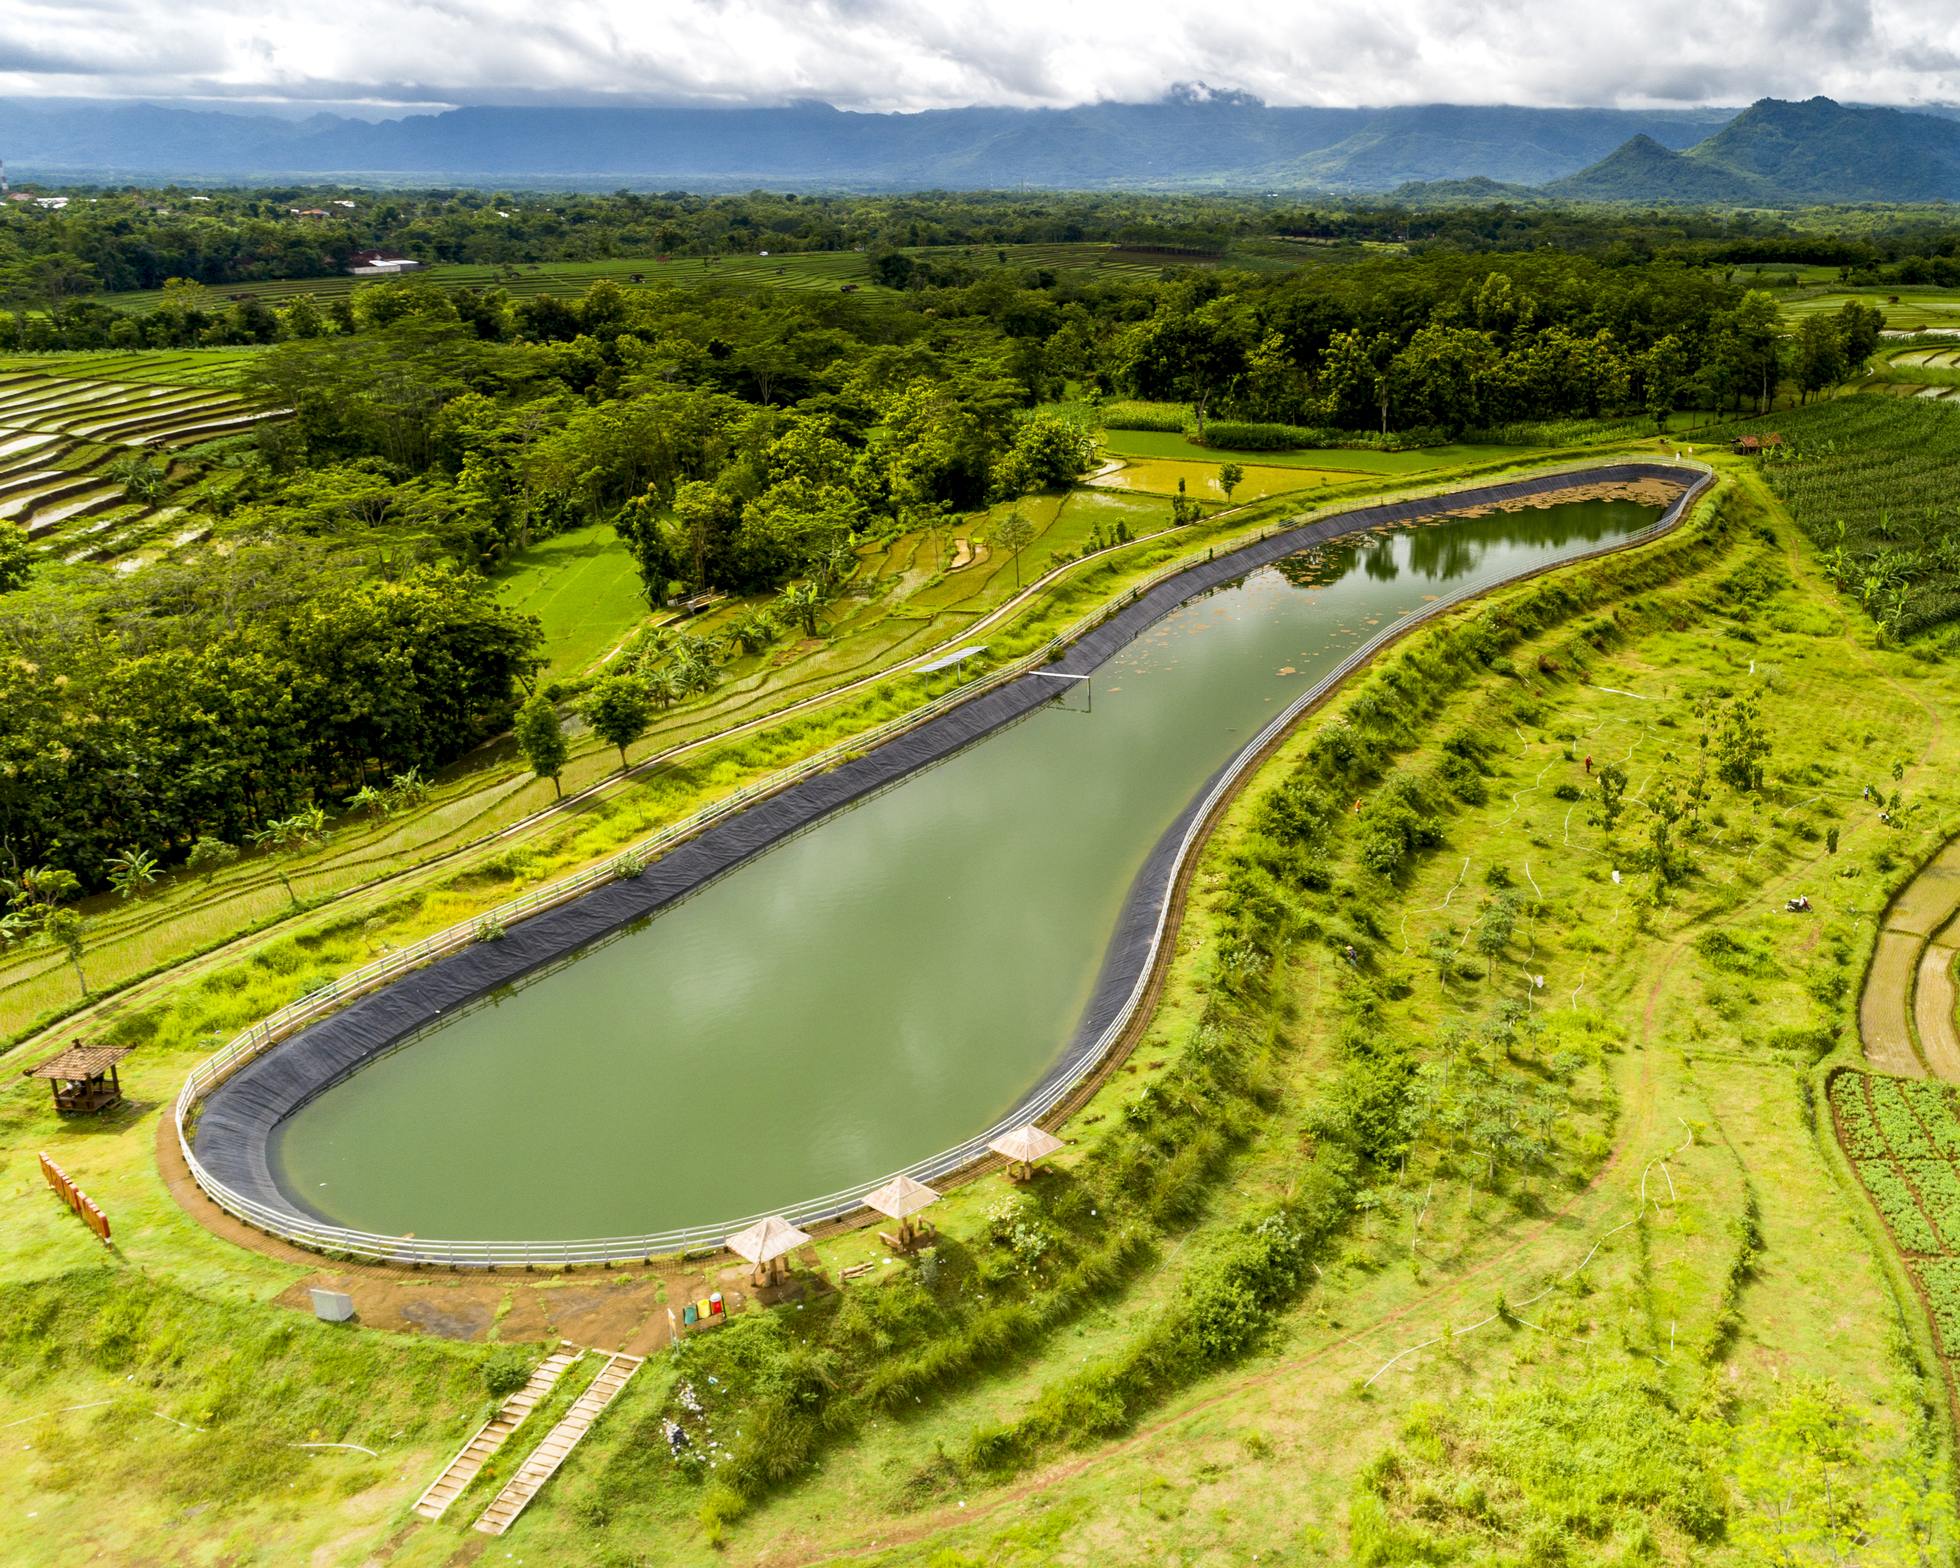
[(558, 1442), (475, 1454)]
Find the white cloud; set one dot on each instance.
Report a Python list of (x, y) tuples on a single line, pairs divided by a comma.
[(885, 54)]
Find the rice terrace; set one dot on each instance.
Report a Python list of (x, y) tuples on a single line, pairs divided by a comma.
[(1147, 863)]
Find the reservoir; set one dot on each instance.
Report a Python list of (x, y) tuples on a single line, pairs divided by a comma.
[(886, 985)]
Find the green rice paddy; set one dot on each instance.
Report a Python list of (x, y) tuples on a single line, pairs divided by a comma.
[(1907, 309), (59, 436), (190, 367), (1160, 476), (583, 587)]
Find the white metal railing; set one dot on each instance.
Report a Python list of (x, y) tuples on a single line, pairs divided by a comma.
[(287, 1021)]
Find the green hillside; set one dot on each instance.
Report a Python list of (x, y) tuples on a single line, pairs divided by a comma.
[(1824, 151), (1644, 170)]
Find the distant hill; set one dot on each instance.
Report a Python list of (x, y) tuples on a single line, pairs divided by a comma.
[(1778, 154), (1474, 192), (1771, 154), (1821, 151), (1644, 170), (1448, 142), (1194, 138)]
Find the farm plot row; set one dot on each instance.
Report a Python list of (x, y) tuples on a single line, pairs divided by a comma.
[(1903, 1138), (81, 461)]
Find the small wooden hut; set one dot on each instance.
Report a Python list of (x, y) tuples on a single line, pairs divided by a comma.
[(84, 1077), (901, 1198), (1023, 1147), (764, 1243)]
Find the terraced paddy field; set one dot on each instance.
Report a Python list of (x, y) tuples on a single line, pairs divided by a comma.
[(61, 435), (1906, 309), (189, 367)]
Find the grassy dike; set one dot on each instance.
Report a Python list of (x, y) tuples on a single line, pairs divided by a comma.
[(1159, 1351)]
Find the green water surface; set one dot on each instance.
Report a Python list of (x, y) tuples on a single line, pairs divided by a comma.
[(879, 989)]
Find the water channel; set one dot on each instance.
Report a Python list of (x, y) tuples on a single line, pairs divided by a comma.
[(883, 987)]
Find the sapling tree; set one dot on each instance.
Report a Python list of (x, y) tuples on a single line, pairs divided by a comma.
[(1494, 935), (1013, 534), (619, 710), (1441, 952), (1741, 744), (285, 838), (1230, 476), (39, 911), (1665, 808), (541, 736), (1612, 784)]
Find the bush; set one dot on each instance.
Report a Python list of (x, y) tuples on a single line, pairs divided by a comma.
[(1247, 437), (506, 1372)]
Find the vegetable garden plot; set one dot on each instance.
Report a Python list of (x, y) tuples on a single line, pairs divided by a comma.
[(1903, 1139)]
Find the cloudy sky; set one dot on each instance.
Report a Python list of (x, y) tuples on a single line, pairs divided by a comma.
[(917, 54)]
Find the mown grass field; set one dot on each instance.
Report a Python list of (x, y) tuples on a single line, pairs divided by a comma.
[(1707, 1256)]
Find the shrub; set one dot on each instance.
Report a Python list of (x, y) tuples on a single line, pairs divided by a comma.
[(506, 1372)]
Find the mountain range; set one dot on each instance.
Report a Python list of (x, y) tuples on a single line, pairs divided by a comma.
[(1195, 138), (1774, 154)]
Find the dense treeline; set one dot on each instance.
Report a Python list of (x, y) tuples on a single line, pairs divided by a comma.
[(332, 630), (140, 239)]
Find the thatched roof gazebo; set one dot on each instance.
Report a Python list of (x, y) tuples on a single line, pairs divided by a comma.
[(84, 1076), (1024, 1145), (764, 1244), (902, 1197)]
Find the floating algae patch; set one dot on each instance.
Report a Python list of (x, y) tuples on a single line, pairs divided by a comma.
[(884, 986)]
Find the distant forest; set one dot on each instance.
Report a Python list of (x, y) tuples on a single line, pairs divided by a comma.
[(112, 241)]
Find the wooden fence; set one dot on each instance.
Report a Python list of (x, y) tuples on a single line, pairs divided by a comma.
[(76, 1199)]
